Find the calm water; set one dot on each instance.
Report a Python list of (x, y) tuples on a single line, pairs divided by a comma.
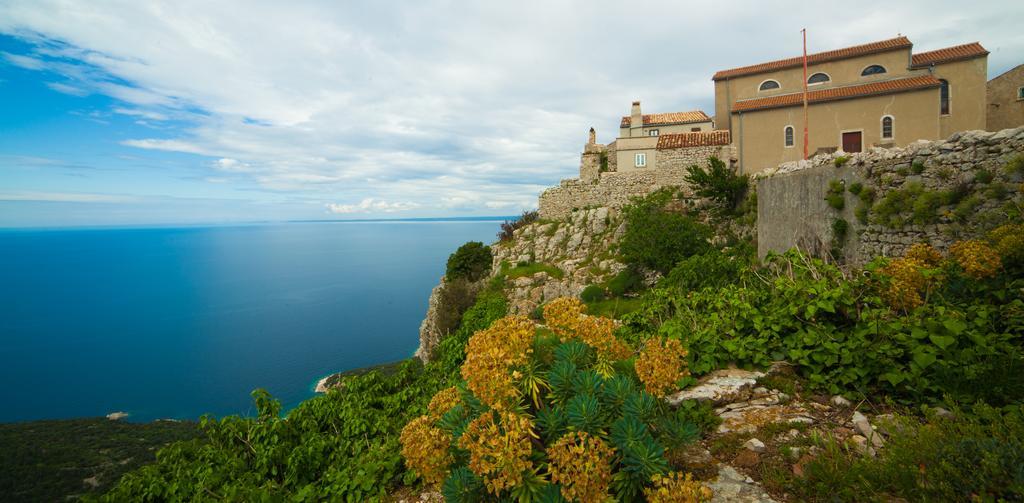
[(177, 322)]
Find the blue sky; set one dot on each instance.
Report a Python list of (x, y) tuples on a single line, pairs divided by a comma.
[(135, 113)]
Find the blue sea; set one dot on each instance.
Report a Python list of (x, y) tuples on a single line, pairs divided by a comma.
[(178, 322)]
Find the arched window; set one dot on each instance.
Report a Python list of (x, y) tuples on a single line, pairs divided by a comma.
[(789, 136), (768, 84), (887, 127), (873, 70), (818, 78), (944, 97)]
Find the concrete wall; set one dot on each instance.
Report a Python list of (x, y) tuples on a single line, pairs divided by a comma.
[(792, 211), (627, 148), (1005, 109), (760, 137)]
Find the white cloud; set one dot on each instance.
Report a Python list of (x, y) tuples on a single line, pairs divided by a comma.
[(370, 205), (66, 89), (67, 197), (468, 108)]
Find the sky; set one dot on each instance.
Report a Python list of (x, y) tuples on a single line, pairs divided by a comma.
[(149, 112)]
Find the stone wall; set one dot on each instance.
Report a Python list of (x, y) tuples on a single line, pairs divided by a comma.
[(682, 158), (610, 189), (952, 189)]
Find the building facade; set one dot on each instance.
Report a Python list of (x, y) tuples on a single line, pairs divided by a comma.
[(876, 94), (637, 144), (1005, 97)]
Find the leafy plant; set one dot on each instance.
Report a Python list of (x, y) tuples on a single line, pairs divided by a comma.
[(835, 196), (719, 184), (471, 262), (658, 238), (626, 281), (917, 167), (840, 161), (593, 293)]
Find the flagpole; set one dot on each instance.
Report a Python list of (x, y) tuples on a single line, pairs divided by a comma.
[(804, 31)]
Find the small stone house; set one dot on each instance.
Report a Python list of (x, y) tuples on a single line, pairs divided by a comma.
[(637, 144), (1005, 97)]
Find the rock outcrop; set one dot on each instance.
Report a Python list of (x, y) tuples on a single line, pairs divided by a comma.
[(444, 308)]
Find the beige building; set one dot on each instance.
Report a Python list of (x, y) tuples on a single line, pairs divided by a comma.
[(637, 144), (876, 94), (1005, 98)]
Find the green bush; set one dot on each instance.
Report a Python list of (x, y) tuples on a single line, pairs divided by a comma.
[(657, 238), (839, 229), (840, 161), (835, 197), (471, 261), (626, 281), (855, 188), (712, 269), (593, 293), (983, 176), (917, 167), (719, 184), (1015, 166)]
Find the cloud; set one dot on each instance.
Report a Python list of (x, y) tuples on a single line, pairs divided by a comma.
[(67, 197), (471, 109), (66, 89), (370, 205)]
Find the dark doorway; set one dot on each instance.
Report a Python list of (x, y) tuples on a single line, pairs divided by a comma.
[(851, 142)]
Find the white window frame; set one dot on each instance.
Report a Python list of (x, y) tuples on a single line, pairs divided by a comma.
[(640, 160), (769, 90), (809, 84), (881, 128), (789, 126), (652, 132)]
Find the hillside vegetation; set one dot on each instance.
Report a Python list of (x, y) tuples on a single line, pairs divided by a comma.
[(570, 408)]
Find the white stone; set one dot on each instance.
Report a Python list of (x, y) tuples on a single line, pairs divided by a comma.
[(755, 445), (116, 416), (839, 401)]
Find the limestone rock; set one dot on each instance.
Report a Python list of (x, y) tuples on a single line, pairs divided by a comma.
[(732, 486), (117, 416), (719, 387), (755, 445)]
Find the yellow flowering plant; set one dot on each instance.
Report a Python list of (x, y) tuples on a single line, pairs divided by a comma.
[(677, 488), (661, 364)]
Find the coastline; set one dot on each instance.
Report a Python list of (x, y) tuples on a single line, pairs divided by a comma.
[(332, 381)]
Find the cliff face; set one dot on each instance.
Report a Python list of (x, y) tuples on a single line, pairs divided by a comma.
[(543, 261), (580, 247)]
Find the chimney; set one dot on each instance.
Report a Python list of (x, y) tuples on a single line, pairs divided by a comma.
[(636, 120), (592, 139)]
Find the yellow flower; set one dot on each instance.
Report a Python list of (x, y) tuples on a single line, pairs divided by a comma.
[(661, 364), (491, 356), (977, 258), (675, 488), (499, 451), (425, 449), (563, 316), (1008, 240), (443, 402), (582, 465)]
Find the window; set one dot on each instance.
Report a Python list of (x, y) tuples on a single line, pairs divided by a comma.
[(887, 127), (789, 136), (640, 160), (818, 78), (944, 97), (697, 129), (873, 70), (1020, 93), (653, 132), (767, 85)]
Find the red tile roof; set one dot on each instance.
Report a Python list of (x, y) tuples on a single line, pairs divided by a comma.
[(695, 139), (821, 57), (838, 93), (669, 118), (955, 53)]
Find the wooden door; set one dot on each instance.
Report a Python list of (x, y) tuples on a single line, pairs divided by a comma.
[(851, 142)]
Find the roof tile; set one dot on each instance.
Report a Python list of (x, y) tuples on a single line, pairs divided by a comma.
[(945, 55), (820, 57), (695, 139), (838, 93), (669, 118)]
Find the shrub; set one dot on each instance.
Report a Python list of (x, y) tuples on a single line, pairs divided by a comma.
[(976, 257), (1015, 166), (657, 238), (855, 188), (508, 227), (661, 364), (593, 426), (1008, 240), (471, 262), (626, 281), (840, 161), (677, 488), (983, 176), (593, 293), (839, 229), (710, 269), (455, 296), (917, 167), (425, 449), (835, 196), (719, 184)]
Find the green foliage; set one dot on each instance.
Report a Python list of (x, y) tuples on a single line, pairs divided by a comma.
[(840, 161), (839, 333), (711, 269), (508, 227), (657, 238), (614, 308), (917, 167), (861, 213), (1015, 166), (973, 456), (341, 446), (965, 208), (835, 196), (839, 229), (983, 176), (856, 188), (719, 184), (593, 293), (50, 460), (914, 203), (626, 281), (471, 261), (603, 161)]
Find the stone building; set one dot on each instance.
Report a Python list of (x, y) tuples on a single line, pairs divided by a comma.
[(637, 144), (876, 94), (1005, 97)]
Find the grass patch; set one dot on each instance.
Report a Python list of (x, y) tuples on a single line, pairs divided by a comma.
[(614, 308)]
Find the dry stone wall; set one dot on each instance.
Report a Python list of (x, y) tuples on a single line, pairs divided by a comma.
[(682, 158), (611, 190), (936, 192)]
